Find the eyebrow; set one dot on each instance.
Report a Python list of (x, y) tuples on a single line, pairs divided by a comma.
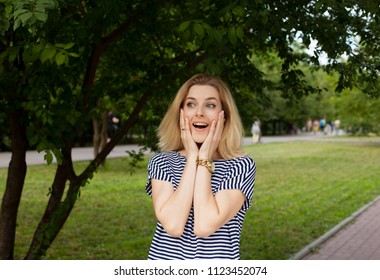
[(210, 98)]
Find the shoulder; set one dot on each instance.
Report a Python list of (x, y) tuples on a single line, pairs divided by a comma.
[(163, 156), (237, 173), (240, 162), (166, 159), (235, 166)]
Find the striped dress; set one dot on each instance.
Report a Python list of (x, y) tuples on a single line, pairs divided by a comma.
[(237, 173)]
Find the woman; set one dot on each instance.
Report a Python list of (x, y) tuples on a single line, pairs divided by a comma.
[(201, 183)]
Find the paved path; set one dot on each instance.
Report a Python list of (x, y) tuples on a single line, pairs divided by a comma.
[(78, 154), (86, 153), (355, 238)]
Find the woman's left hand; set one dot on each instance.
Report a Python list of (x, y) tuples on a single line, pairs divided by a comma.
[(211, 143)]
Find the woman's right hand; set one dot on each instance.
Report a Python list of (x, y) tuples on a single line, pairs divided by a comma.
[(191, 148)]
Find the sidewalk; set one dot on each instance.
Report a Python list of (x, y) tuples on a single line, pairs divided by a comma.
[(86, 153), (355, 238), (78, 154)]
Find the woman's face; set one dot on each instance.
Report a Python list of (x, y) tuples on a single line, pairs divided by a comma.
[(202, 105)]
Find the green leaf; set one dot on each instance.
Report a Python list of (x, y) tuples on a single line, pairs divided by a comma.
[(65, 46), (232, 36), (58, 155), (60, 58), (198, 28), (16, 24), (238, 11), (240, 33), (41, 146), (59, 45), (47, 53), (183, 26), (17, 13), (8, 9), (25, 17), (74, 54), (227, 16), (69, 45), (41, 16), (36, 50), (48, 157), (46, 3)]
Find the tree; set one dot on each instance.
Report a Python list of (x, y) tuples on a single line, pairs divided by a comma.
[(60, 60)]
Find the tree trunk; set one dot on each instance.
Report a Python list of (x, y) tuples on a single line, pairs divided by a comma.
[(95, 136), (104, 130), (15, 183), (57, 211), (100, 136)]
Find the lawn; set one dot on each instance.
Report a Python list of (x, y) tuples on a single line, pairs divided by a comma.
[(302, 190)]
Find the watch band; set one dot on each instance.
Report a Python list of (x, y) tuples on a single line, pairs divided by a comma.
[(207, 163)]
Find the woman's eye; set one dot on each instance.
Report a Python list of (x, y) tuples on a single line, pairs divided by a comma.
[(211, 105), (190, 105)]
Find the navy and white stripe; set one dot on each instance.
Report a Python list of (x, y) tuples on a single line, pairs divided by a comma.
[(237, 173)]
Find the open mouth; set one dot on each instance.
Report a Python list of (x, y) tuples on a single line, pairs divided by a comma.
[(200, 125)]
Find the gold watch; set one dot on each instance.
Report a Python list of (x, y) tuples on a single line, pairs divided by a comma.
[(208, 163)]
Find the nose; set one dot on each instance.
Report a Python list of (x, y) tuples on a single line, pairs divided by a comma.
[(199, 111)]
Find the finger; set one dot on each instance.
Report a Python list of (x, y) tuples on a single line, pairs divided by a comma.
[(211, 133), (219, 125), (214, 125), (187, 129), (187, 125), (182, 121), (221, 121), (190, 143)]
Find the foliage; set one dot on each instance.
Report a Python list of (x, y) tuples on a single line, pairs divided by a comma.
[(359, 113), (156, 41)]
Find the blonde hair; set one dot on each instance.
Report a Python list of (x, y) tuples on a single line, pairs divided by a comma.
[(169, 132)]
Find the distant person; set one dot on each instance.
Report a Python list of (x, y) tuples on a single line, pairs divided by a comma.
[(201, 182), (315, 126), (256, 131), (293, 129), (113, 122), (309, 125), (328, 129), (322, 124), (261, 132), (332, 126), (336, 126)]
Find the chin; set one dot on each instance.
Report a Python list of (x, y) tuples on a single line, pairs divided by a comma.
[(199, 139)]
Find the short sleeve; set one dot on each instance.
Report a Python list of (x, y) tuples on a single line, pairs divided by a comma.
[(241, 176), (157, 169)]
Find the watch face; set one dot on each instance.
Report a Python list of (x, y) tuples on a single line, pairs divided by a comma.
[(212, 166), (207, 163)]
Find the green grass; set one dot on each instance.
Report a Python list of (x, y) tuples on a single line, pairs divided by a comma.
[(302, 190)]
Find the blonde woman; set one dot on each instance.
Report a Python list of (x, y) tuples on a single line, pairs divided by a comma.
[(201, 182)]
